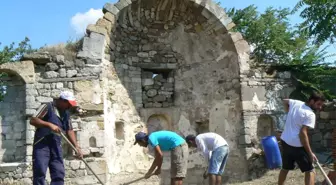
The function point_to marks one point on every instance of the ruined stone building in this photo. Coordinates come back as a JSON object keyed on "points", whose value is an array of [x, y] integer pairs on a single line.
{"points": [[146, 65]]}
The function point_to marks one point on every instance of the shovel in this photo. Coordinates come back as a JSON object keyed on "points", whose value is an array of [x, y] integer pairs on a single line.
{"points": [[74, 148]]}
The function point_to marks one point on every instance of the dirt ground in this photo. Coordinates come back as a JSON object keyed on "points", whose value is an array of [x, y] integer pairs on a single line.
{"points": [[293, 178]]}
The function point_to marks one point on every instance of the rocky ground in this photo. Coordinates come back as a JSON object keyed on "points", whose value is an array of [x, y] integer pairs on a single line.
{"points": [[293, 178]]}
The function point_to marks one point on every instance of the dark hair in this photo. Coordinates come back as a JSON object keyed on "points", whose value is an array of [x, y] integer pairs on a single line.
{"points": [[317, 96], [190, 138]]}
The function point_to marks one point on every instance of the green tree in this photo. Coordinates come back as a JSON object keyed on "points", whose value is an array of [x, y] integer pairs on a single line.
{"points": [[285, 46], [12, 53], [320, 19]]}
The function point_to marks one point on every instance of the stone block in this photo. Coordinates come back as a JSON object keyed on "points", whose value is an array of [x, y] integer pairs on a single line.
{"points": [[143, 54], [99, 167], [19, 127], [51, 67], [74, 164], [8, 144], [317, 137], [122, 4], [108, 7], [96, 29], [110, 17], [59, 59], [59, 85], [146, 82], [244, 139], [159, 98], [51, 74], [71, 73], [93, 47], [31, 92], [88, 179], [324, 115]]}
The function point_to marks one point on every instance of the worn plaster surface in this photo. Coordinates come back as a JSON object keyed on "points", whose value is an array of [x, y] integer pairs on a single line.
{"points": [[147, 66]]}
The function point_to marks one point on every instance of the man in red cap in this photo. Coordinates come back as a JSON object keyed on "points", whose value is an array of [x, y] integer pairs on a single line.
{"points": [[51, 118]]}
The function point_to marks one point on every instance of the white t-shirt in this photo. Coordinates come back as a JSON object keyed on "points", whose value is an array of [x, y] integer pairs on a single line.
{"points": [[208, 142], [299, 114]]}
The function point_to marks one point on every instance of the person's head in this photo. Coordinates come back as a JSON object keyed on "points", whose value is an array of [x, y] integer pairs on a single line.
{"points": [[190, 139], [66, 100], [316, 101], [141, 138]]}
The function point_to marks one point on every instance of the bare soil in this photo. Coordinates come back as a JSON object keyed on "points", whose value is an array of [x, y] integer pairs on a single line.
{"points": [[293, 178]]}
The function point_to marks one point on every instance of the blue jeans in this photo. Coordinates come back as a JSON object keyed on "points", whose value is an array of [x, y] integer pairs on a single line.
{"points": [[218, 160]]}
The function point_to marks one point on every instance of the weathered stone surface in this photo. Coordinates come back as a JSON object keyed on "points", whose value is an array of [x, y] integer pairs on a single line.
{"points": [[51, 74], [38, 57], [108, 7], [25, 69], [51, 67], [93, 47], [71, 73]]}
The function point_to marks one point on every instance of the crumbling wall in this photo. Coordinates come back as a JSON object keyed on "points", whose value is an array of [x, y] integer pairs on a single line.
{"points": [[12, 121], [263, 112], [175, 59], [321, 136]]}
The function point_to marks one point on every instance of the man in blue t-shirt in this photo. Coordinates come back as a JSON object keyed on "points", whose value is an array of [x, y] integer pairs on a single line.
{"points": [[163, 141]]}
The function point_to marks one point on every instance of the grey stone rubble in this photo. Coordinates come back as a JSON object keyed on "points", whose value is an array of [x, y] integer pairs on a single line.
{"points": [[149, 66]]}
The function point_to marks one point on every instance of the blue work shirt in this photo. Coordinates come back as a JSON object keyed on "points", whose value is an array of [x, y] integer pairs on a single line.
{"points": [[167, 140]]}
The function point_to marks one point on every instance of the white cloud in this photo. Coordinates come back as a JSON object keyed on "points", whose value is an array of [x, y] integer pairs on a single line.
{"points": [[80, 21]]}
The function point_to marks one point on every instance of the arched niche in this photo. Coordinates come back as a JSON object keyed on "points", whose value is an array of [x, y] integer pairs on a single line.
{"points": [[12, 117], [265, 126]]}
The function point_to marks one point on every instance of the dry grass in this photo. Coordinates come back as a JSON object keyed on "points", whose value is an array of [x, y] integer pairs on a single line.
{"points": [[293, 178], [69, 49]]}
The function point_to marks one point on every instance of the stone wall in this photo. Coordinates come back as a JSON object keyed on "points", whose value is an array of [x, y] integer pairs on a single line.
{"points": [[263, 112], [321, 136], [12, 121], [197, 85]]}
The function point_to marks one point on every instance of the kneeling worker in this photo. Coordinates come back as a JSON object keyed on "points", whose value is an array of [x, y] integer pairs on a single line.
{"points": [[216, 144], [166, 141], [52, 118]]}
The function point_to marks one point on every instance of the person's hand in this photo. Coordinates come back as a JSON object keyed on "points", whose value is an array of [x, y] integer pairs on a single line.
{"points": [[54, 128], [205, 174], [157, 172], [313, 157], [79, 153], [147, 175]]}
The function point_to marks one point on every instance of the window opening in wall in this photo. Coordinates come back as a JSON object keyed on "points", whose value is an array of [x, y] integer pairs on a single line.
{"points": [[92, 142], [119, 130], [202, 126], [157, 88]]}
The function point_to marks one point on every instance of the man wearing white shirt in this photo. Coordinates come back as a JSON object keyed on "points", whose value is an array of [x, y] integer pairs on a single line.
{"points": [[219, 148], [294, 138]]}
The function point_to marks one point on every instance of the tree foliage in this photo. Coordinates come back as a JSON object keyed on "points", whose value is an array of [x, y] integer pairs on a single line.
{"points": [[286, 47], [320, 19], [12, 53]]}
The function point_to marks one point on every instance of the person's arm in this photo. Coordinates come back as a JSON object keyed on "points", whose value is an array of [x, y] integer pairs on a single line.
{"points": [[72, 137], [304, 138], [201, 147], [157, 161], [308, 123], [37, 121]]}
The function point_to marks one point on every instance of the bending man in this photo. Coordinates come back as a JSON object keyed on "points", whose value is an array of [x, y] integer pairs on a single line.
{"points": [[216, 144], [50, 118], [166, 141], [294, 138]]}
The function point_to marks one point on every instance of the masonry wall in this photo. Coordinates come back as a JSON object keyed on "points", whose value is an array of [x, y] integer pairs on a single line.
{"points": [[263, 112], [179, 72], [12, 121], [321, 136]]}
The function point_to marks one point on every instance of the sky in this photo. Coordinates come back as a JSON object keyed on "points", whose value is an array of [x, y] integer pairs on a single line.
{"points": [[49, 22]]}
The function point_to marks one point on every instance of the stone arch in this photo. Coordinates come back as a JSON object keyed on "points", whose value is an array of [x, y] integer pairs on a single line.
{"points": [[12, 116], [24, 70], [217, 22], [157, 122]]}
